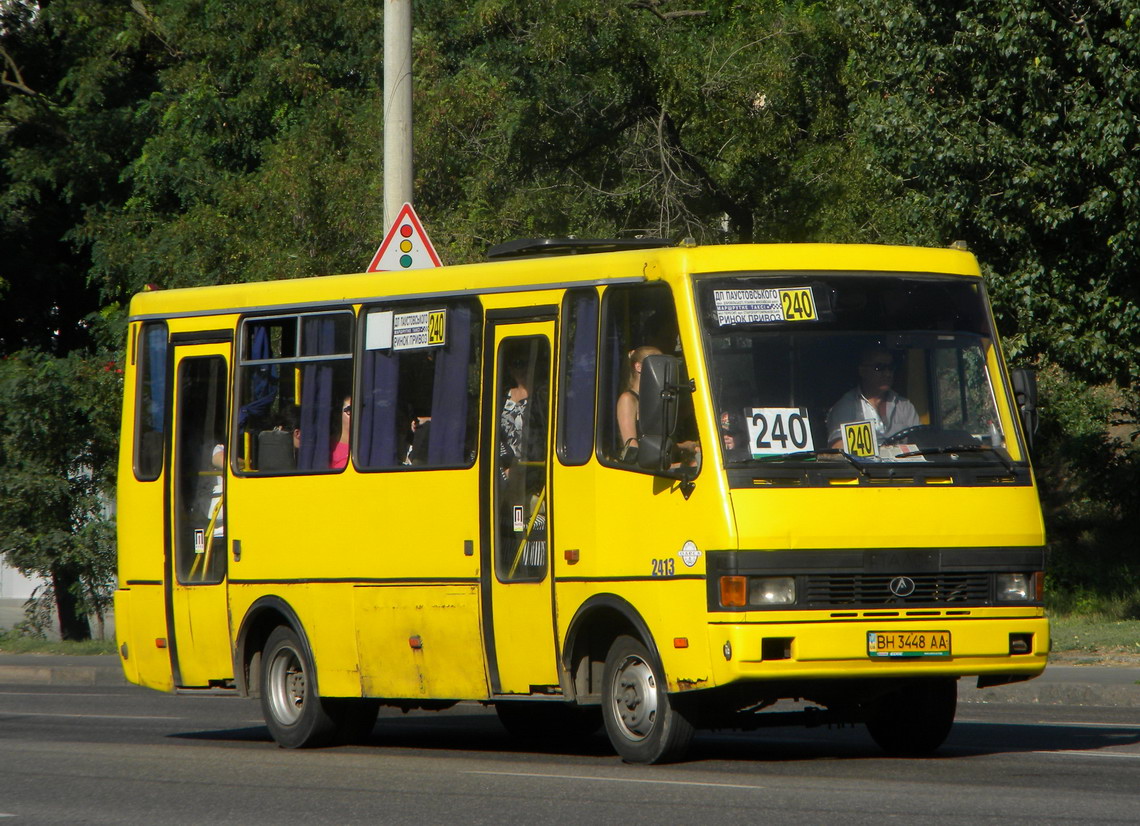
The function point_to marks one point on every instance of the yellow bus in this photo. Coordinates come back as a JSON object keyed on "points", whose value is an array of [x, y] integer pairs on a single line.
{"points": [[636, 485]]}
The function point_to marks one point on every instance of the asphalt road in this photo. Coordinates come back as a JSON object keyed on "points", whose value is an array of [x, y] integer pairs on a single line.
{"points": [[119, 754]]}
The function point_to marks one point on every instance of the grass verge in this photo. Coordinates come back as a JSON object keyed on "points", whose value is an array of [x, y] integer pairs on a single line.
{"points": [[14, 644], [1095, 635]]}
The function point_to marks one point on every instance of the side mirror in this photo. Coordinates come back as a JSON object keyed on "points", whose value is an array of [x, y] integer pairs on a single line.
{"points": [[1025, 392], [657, 411]]}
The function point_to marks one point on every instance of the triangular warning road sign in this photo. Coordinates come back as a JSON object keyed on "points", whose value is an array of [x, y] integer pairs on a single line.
{"points": [[406, 246]]}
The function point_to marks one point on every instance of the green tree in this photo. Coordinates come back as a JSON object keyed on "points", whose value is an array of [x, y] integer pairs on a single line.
{"points": [[1012, 125], [578, 116], [74, 72], [58, 443], [583, 116]]}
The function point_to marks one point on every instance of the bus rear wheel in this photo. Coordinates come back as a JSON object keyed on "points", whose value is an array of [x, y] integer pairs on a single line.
{"points": [[293, 712], [913, 721], [640, 719]]}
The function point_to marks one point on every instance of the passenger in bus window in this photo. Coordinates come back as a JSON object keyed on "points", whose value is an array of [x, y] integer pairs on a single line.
{"points": [[734, 437], [217, 514], [339, 455], [629, 402], [418, 442], [873, 399], [513, 416]]}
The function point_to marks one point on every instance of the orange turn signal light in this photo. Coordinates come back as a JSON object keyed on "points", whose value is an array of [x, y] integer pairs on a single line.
{"points": [[734, 591]]}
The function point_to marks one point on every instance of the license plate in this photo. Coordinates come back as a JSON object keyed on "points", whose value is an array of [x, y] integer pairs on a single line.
{"points": [[908, 643]]}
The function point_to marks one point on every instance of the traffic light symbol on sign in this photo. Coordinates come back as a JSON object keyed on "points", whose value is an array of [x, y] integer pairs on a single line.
{"points": [[406, 245]]}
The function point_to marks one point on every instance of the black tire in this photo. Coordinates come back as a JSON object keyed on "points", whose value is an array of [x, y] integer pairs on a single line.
{"points": [[548, 720], [641, 721], [294, 713], [915, 720]]}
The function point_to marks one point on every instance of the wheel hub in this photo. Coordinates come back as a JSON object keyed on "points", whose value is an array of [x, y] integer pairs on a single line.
{"points": [[635, 701]]}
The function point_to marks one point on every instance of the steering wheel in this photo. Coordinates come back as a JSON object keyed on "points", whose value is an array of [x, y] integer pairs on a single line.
{"points": [[900, 436]]}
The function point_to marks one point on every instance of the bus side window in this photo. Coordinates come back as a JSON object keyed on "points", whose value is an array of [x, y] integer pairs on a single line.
{"points": [[635, 319], [151, 400], [295, 393], [579, 367], [419, 386]]}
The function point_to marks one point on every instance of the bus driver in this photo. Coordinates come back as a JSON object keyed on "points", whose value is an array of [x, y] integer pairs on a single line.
{"points": [[872, 399]]}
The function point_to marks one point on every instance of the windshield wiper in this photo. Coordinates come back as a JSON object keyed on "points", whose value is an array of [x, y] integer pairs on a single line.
{"points": [[941, 451], [815, 454]]}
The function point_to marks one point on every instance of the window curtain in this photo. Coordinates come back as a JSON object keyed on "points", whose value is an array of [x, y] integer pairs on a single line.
{"points": [[318, 338], [449, 392], [263, 381], [581, 366], [379, 425]]}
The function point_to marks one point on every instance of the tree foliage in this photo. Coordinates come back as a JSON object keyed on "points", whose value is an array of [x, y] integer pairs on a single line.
{"points": [[1013, 126], [58, 443]]}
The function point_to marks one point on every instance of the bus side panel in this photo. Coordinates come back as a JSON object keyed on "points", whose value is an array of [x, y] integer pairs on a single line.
{"points": [[639, 539], [420, 641], [326, 620], [314, 540], [140, 623]]}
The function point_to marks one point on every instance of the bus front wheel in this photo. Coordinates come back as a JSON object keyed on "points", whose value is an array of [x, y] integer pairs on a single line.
{"points": [[294, 714], [914, 720], [640, 719]]}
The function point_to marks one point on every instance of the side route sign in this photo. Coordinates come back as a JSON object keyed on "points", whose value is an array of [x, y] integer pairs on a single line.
{"points": [[406, 246]]}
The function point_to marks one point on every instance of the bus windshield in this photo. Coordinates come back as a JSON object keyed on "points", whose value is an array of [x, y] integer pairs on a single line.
{"points": [[858, 368]]}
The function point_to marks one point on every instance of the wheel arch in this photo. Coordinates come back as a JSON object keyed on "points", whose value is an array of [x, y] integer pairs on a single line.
{"points": [[265, 614], [599, 621]]}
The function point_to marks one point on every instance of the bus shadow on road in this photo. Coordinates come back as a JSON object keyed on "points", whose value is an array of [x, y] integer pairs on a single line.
{"points": [[1005, 738], [481, 732]]}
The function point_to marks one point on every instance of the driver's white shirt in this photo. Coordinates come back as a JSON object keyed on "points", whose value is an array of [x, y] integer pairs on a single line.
{"points": [[853, 406]]}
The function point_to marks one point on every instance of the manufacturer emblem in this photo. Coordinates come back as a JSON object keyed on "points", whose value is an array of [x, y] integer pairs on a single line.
{"points": [[689, 554], [902, 586]]}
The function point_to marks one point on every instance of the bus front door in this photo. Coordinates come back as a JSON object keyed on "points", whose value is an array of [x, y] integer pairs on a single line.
{"points": [[518, 595], [197, 612]]}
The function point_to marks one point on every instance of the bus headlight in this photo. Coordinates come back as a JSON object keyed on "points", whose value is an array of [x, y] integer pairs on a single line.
{"points": [[1015, 587], [757, 591], [771, 590]]}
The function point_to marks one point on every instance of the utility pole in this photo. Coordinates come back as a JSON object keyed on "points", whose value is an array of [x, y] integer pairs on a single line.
{"points": [[397, 107]]}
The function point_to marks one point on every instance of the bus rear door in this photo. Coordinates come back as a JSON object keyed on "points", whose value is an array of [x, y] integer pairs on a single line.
{"points": [[518, 597], [197, 543]]}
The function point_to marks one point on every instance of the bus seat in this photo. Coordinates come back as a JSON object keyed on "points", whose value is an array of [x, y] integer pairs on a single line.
{"points": [[275, 450]]}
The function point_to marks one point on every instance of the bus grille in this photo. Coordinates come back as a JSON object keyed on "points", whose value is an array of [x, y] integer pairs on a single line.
{"points": [[874, 589]]}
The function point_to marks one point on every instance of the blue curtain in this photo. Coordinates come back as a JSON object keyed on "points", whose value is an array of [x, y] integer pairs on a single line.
{"points": [[155, 360], [318, 337], [379, 424], [582, 365], [263, 382], [449, 392]]}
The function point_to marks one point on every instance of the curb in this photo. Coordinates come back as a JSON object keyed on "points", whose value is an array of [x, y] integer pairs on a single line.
{"points": [[1050, 694], [61, 670], [55, 675]]}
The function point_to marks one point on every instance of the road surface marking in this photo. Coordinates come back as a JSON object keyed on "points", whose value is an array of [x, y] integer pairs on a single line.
{"points": [[1133, 755], [86, 716], [615, 779]]}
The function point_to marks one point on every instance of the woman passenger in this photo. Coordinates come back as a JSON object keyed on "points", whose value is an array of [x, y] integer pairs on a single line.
{"points": [[628, 402]]}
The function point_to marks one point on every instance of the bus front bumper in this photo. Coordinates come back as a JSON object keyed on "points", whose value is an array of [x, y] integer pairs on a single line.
{"points": [[991, 647]]}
